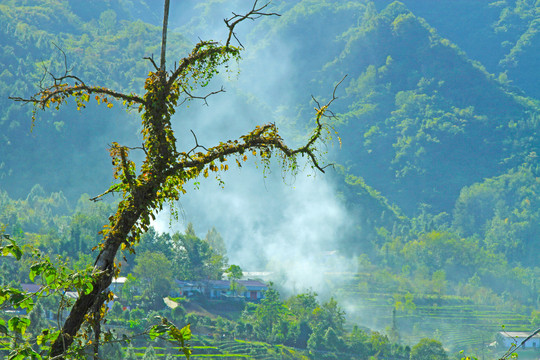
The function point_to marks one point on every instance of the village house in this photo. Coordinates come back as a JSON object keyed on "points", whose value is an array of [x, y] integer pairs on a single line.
{"points": [[188, 288], [507, 338], [117, 283], [253, 289], [31, 288], [249, 290]]}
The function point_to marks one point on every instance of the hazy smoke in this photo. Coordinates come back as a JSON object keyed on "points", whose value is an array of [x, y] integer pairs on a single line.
{"points": [[289, 227], [290, 230]]}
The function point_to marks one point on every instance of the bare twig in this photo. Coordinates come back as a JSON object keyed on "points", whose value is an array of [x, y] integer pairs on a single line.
{"points": [[334, 97], [321, 110], [190, 96], [112, 189], [151, 59], [196, 144], [67, 71], [253, 14]]}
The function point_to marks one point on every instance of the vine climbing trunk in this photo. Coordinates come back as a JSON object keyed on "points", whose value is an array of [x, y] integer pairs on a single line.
{"points": [[142, 195], [104, 270]]}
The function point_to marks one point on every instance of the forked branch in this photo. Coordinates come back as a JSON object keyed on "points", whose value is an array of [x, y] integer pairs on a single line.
{"points": [[67, 85], [57, 93], [253, 14], [203, 98], [263, 137]]}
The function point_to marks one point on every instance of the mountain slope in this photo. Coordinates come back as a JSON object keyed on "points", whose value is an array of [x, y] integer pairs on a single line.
{"points": [[423, 120]]}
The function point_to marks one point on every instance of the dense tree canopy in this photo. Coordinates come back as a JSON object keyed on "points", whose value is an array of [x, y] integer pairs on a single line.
{"points": [[428, 349]]}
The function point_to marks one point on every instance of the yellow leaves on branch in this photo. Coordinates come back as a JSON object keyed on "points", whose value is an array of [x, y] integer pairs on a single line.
{"points": [[321, 111], [104, 100], [214, 168], [56, 98]]}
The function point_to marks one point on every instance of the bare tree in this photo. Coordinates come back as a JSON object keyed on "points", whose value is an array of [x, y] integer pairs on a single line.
{"points": [[165, 170]]}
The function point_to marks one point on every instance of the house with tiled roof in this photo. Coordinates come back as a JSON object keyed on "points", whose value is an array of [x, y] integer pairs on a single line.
{"points": [[249, 290]]}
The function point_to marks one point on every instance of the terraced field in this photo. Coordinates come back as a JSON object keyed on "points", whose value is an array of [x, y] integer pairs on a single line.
{"points": [[227, 349], [457, 321]]}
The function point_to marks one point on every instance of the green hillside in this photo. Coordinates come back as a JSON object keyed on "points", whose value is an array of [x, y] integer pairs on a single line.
{"points": [[436, 119], [97, 40], [437, 172]]}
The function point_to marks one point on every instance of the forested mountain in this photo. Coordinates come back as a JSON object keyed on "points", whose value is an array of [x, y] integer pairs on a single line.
{"points": [[502, 35], [97, 41], [437, 174]]}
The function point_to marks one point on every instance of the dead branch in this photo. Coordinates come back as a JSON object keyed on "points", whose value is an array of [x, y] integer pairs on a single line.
{"points": [[112, 189], [196, 144], [151, 59], [191, 97], [61, 88], [253, 14], [164, 36]]}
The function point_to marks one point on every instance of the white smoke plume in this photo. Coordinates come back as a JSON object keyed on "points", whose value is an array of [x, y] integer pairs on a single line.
{"points": [[290, 226]]}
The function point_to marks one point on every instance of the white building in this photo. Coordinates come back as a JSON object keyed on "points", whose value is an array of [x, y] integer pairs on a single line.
{"points": [[507, 338]]}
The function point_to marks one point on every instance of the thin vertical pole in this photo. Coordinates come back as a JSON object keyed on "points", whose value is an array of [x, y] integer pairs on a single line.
{"points": [[164, 36]]}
